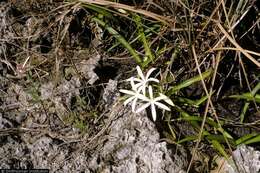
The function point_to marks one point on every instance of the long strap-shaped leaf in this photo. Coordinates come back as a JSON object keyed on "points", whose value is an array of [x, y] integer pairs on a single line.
{"points": [[188, 82], [119, 38]]}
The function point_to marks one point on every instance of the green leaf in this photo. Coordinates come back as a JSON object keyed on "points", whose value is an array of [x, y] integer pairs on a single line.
{"points": [[143, 39], [201, 100], [247, 96], [253, 140], [243, 112], [220, 139], [195, 103], [186, 139], [200, 119], [119, 38], [224, 133], [253, 97], [245, 138], [189, 82], [186, 115], [220, 148]]}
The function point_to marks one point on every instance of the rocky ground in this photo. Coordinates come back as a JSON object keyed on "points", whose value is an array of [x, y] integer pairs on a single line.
{"points": [[74, 123]]}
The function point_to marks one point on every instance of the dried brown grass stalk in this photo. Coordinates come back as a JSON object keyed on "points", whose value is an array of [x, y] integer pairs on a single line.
{"points": [[165, 20], [237, 45]]}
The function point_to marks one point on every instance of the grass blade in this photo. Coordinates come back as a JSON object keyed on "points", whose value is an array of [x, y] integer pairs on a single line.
{"points": [[245, 108], [245, 138], [253, 140], [220, 148], [143, 39], [120, 38], [247, 96], [195, 118], [188, 82], [195, 103], [186, 139], [219, 138]]}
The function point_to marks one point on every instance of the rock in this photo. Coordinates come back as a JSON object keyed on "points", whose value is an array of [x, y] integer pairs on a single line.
{"points": [[133, 145], [130, 144], [246, 160], [110, 92], [88, 64]]}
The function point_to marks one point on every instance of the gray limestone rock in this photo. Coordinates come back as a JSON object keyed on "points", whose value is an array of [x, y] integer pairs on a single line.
{"points": [[133, 146], [246, 160], [130, 144]]}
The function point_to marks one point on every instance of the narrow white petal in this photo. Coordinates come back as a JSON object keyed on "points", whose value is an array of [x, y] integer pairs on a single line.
{"points": [[167, 99], [159, 98], [140, 88], [144, 106], [127, 92], [153, 112], [140, 73], [149, 73], [137, 79], [128, 100], [153, 80], [150, 90], [139, 85], [162, 95], [133, 84], [129, 79], [162, 106], [134, 104], [142, 97], [143, 89]]}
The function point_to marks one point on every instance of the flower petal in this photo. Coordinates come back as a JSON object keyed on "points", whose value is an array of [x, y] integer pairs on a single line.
{"points": [[129, 79], [142, 97], [162, 106], [127, 92], [167, 99], [140, 89], [153, 80], [149, 73], [133, 84], [161, 97], [136, 79], [150, 90], [140, 73], [153, 112], [144, 106], [128, 100], [143, 89], [134, 104], [139, 85]]}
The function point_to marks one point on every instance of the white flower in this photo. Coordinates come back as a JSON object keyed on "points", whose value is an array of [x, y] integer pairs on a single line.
{"points": [[155, 101], [145, 101], [143, 82], [135, 95]]}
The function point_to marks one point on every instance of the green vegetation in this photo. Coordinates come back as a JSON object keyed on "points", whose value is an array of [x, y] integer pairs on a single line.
{"points": [[201, 56], [152, 51]]}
